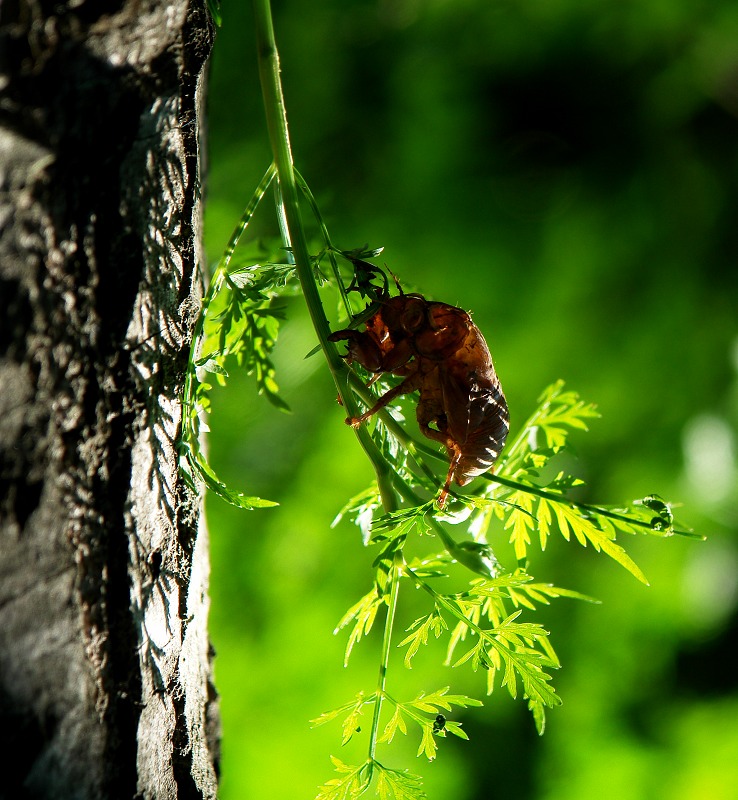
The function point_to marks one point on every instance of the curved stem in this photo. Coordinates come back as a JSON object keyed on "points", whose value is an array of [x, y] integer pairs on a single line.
{"points": [[329, 248], [276, 118]]}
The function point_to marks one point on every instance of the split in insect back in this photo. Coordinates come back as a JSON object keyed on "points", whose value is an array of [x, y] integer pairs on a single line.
{"points": [[440, 352]]}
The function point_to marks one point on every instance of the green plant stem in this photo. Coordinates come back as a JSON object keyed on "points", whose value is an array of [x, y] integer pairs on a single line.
{"points": [[394, 578], [330, 249], [276, 118]]}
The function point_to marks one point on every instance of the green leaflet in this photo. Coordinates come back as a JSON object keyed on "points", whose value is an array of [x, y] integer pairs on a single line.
{"points": [[354, 781], [362, 615], [434, 623]]}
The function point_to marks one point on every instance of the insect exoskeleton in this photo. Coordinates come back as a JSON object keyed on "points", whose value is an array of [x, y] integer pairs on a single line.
{"points": [[440, 352], [439, 723]]}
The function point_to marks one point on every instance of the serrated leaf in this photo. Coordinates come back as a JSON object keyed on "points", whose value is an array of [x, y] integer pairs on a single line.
{"points": [[473, 653], [518, 586], [364, 613], [546, 431], [456, 729], [430, 703], [351, 723], [395, 785], [355, 781], [585, 529], [361, 509], [511, 648], [544, 518], [421, 628], [395, 723], [328, 716], [522, 521], [428, 745], [401, 522], [238, 499], [539, 716]]}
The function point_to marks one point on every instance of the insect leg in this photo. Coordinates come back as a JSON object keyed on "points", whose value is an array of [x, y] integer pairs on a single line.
{"points": [[407, 386], [455, 458], [361, 347]]}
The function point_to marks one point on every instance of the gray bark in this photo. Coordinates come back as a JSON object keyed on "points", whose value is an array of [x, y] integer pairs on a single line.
{"points": [[105, 669]]}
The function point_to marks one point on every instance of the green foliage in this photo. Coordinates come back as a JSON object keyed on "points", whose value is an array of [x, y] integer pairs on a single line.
{"points": [[485, 621], [525, 500], [540, 504], [236, 320], [391, 784]]}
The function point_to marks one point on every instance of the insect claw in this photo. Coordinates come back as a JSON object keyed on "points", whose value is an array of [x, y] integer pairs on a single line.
{"points": [[354, 422], [454, 462]]}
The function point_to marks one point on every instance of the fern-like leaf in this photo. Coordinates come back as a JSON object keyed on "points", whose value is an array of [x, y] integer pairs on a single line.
{"points": [[363, 615], [585, 529], [421, 628], [394, 784], [351, 720], [354, 781]]}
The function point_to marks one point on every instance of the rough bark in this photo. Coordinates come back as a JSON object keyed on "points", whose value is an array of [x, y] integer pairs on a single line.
{"points": [[105, 675]]}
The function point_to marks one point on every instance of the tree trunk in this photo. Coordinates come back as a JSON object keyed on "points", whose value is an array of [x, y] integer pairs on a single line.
{"points": [[105, 673]]}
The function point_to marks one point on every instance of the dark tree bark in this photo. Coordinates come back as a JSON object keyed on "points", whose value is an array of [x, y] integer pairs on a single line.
{"points": [[105, 673]]}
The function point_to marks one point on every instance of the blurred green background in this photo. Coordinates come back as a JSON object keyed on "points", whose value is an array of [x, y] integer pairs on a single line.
{"points": [[569, 172]]}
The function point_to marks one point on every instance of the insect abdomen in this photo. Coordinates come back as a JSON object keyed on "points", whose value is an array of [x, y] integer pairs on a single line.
{"points": [[487, 436]]}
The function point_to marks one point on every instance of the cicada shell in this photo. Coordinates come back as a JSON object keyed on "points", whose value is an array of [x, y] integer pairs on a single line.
{"points": [[440, 352]]}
